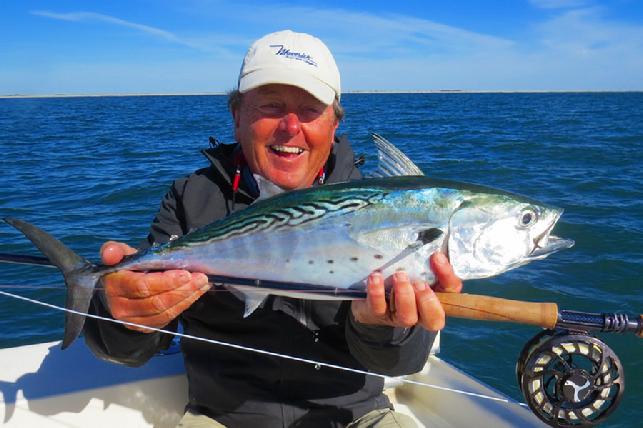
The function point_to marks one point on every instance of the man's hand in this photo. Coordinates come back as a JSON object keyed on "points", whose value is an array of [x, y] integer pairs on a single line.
{"points": [[152, 299], [410, 304]]}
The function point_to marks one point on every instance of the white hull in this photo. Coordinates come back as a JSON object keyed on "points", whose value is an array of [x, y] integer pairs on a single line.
{"points": [[43, 387]]}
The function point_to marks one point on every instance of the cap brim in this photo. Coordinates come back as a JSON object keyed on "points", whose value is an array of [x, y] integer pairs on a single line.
{"points": [[284, 76]]}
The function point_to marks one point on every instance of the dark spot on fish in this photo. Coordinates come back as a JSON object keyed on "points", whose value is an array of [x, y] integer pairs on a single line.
{"points": [[330, 262], [354, 259], [287, 260], [331, 271], [378, 256], [311, 262]]}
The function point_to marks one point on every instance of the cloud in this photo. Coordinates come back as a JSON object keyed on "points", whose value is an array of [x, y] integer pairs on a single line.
{"points": [[584, 33], [570, 47], [558, 4], [355, 32], [573, 49], [146, 29]]}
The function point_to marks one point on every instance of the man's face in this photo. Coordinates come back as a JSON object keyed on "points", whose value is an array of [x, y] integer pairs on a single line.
{"points": [[286, 134]]}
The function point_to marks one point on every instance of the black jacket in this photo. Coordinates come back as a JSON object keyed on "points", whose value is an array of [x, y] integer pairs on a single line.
{"points": [[245, 389]]}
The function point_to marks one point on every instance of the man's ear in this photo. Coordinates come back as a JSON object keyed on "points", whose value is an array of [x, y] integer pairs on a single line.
{"points": [[334, 132], [236, 120], [235, 117]]}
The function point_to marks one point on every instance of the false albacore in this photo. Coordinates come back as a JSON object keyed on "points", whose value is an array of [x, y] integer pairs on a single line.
{"points": [[332, 237]]}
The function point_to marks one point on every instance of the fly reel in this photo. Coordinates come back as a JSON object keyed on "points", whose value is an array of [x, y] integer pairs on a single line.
{"points": [[570, 379]]}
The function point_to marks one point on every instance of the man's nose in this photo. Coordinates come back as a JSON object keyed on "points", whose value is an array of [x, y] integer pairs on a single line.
{"points": [[290, 123]]}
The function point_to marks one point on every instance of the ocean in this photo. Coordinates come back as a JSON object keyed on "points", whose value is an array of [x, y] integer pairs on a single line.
{"points": [[89, 169]]}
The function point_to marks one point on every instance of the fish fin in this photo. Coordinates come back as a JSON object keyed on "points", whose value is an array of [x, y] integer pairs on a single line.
{"points": [[391, 161], [400, 238], [253, 301], [425, 237], [80, 276], [251, 297]]}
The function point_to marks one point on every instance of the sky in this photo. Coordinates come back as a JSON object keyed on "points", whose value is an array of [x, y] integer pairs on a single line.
{"points": [[196, 46]]}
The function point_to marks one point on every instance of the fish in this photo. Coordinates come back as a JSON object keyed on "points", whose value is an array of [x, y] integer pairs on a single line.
{"points": [[328, 239]]}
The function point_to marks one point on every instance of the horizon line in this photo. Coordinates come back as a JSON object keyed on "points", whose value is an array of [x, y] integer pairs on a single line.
{"points": [[366, 91]]}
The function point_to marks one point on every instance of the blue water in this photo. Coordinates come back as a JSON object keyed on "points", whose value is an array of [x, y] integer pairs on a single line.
{"points": [[92, 169]]}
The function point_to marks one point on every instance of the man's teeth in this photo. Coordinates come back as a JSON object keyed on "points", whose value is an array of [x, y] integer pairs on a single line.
{"points": [[286, 149]]}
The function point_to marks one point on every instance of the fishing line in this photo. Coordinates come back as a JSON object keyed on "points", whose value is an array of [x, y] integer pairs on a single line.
{"points": [[259, 351]]}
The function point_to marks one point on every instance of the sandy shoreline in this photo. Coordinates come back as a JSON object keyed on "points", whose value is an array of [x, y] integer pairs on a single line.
{"points": [[105, 95], [435, 91]]}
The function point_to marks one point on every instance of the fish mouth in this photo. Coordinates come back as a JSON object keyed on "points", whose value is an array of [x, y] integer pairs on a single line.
{"points": [[553, 244], [545, 243]]}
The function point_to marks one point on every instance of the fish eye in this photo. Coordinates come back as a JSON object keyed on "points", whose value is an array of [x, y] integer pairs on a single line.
{"points": [[528, 217]]}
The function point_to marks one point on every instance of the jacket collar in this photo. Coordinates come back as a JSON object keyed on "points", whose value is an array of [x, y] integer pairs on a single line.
{"points": [[338, 167]]}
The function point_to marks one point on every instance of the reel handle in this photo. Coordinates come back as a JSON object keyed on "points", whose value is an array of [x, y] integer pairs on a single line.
{"points": [[472, 306]]}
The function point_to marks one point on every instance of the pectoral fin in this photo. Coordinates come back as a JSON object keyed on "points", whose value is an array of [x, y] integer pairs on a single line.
{"points": [[425, 237]]}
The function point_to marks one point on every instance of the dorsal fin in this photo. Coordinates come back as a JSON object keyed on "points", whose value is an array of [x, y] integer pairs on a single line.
{"points": [[391, 161]]}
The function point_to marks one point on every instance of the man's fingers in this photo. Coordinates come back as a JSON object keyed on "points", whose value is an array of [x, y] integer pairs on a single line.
{"points": [[446, 279], [162, 318], [430, 311], [113, 252], [406, 314], [156, 306], [139, 285], [376, 295], [152, 299]]}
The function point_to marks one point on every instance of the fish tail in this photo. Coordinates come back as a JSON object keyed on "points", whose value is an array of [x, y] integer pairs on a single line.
{"points": [[80, 276]]}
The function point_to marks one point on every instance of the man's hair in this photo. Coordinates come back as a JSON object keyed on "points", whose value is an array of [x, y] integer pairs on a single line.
{"points": [[235, 97]]}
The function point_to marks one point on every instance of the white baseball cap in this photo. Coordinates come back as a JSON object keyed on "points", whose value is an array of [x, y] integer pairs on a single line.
{"points": [[291, 58]]}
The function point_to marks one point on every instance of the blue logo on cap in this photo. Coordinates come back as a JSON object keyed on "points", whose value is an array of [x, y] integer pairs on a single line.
{"points": [[299, 56]]}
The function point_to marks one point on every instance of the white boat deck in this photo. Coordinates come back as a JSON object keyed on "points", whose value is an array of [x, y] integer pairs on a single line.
{"points": [[42, 386]]}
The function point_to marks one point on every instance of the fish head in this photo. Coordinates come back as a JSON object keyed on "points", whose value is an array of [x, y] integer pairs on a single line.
{"points": [[490, 234]]}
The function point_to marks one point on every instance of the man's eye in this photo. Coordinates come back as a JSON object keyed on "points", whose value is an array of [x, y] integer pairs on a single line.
{"points": [[310, 112]]}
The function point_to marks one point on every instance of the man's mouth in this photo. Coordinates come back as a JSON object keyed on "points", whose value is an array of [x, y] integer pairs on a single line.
{"points": [[286, 150]]}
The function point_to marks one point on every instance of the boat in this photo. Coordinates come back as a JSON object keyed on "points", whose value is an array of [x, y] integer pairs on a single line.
{"points": [[43, 386]]}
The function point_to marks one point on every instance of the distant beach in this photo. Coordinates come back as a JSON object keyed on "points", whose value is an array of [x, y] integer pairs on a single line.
{"points": [[370, 91], [106, 95]]}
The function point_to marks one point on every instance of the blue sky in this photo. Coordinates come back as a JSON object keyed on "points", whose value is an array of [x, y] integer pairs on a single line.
{"points": [[196, 46]]}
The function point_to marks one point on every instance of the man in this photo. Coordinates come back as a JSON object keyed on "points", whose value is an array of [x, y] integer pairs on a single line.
{"points": [[286, 111]]}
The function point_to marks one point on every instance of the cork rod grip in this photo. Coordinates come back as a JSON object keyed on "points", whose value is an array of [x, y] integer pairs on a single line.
{"points": [[640, 332], [478, 307]]}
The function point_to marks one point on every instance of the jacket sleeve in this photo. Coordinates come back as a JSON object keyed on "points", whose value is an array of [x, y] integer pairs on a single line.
{"points": [[387, 350], [113, 342]]}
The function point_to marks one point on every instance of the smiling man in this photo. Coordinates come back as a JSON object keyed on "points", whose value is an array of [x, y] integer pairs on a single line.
{"points": [[285, 134], [286, 111]]}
